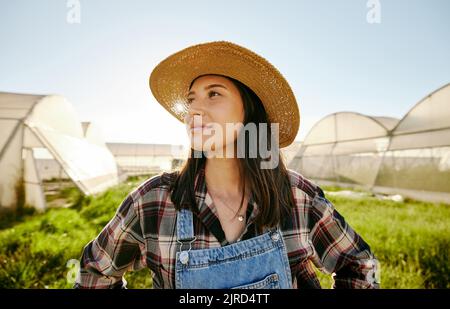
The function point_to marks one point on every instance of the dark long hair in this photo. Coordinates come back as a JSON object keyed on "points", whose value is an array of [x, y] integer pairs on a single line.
{"points": [[270, 188]]}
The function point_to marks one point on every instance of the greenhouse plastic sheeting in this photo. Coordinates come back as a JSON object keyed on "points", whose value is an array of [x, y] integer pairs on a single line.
{"points": [[410, 156]]}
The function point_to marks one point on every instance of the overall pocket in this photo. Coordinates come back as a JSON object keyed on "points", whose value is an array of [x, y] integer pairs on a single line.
{"points": [[269, 282]]}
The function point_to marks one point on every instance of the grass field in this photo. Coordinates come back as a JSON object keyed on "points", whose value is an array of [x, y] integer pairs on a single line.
{"points": [[411, 239]]}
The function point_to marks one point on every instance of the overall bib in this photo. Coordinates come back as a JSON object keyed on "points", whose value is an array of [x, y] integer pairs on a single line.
{"points": [[257, 263]]}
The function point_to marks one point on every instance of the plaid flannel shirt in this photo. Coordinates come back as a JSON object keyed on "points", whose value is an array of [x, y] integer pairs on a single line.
{"points": [[143, 234]]}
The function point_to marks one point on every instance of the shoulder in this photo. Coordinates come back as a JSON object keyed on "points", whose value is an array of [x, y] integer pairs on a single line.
{"points": [[310, 195], [310, 200], [304, 186], [160, 182]]}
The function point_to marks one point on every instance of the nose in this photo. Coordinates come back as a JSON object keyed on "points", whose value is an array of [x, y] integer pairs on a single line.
{"points": [[193, 112], [196, 109]]}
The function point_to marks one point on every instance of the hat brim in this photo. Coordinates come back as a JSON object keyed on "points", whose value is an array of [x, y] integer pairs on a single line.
{"points": [[170, 81]]}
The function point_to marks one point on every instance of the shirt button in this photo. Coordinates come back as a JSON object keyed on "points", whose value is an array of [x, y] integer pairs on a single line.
{"points": [[275, 237], [184, 257]]}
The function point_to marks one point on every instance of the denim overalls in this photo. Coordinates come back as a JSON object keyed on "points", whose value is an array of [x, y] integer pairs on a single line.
{"points": [[257, 263]]}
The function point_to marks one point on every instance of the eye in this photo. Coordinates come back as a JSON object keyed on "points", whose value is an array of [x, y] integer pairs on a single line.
{"points": [[212, 94], [189, 100]]}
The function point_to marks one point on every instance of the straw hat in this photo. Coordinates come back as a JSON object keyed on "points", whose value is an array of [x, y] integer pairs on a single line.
{"points": [[170, 81]]}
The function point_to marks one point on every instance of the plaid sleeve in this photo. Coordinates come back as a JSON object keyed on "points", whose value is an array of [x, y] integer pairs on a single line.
{"points": [[339, 250], [118, 248]]}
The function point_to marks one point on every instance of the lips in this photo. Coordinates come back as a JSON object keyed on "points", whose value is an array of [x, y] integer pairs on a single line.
{"points": [[199, 128]]}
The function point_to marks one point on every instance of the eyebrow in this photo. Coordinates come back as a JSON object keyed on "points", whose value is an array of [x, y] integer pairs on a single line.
{"points": [[208, 87]]}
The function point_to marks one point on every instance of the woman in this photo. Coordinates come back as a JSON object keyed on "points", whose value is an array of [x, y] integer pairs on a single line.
{"points": [[234, 216]]}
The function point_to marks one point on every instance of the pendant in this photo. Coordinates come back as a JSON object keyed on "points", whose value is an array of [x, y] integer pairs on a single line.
{"points": [[241, 218]]}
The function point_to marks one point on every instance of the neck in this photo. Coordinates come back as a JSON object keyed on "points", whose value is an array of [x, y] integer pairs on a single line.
{"points": [[222, 176]]}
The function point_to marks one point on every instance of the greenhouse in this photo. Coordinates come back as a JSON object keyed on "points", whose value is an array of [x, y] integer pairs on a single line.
{"points": [[410, 156], [36, 126], [145, 159]]}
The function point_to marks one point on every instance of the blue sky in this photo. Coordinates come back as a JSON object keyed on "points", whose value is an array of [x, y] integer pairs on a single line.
{"points": [[332, 57]]}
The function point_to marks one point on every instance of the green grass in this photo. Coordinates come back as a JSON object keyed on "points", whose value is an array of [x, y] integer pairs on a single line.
{"points": [[411, 240], [35, 250]]}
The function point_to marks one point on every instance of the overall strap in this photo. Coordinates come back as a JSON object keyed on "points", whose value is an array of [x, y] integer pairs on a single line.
{"points": [[185, 225]]}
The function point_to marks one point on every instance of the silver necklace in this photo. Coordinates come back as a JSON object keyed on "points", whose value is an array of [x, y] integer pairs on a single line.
{"points": [[240, 217]]}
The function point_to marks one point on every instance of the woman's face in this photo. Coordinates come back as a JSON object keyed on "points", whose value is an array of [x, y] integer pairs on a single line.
{"points": [[213, 101]]}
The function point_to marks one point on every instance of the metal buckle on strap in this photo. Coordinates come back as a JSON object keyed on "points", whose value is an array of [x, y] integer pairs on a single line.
{"points": [[275, 233], [184, 255], [190, 243]]}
